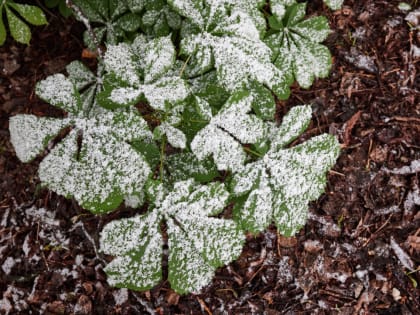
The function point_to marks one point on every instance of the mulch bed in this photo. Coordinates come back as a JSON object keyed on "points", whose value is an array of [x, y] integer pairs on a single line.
{"points": [[353, 256]]}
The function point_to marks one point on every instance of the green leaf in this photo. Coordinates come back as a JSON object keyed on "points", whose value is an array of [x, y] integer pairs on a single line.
{"points": [[293, 125], [334, 4], [280, 185], [129, 22], [158, 86], [2, 31], [140, 241], [30, 135], [18, 29], [229, 40], [136, 6], [263, 103], [60, 91], [223, 137], [51, 3], [149, 150], [80, 75], [183, 166], [297, 49], [197, 244], [31, 13]]}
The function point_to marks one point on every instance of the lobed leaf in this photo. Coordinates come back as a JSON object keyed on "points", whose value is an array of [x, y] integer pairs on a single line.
{"points": [[18, 29], [197, 244], [279, 187], [227, 131], [296, 48]]}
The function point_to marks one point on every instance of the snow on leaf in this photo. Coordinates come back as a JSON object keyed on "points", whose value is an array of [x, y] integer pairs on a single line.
{"points": [[296, 46], [138, 243], [155, 59], [226, 37], [59, 91], [175, 137], [227, 131], [159, 19], [279, 187], [94, 163], [334, 4], [30, 134], [197, 243], [112, 19], [106, 168]]}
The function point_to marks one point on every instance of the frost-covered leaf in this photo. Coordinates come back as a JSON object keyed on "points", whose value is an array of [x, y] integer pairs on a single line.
{"points": [[59, 91], [31, 13], [183, 166], [94, 163], [334, 4], [159, 19], [112, 19], [197, 243], [126, 65], [279, 186], [175, 137], [18, 29], [296, 46], [30, 134], [227, 131], [138, 242], [222, 35]]}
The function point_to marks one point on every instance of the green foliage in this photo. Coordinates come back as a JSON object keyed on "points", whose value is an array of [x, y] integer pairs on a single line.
{"points": [[94, 163], [184, 101], [61, 5], [295, 44], [198, 242], [279, 186], [15, 12]]}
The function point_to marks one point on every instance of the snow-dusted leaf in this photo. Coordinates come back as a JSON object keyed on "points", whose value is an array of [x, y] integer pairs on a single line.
{"points": [[94, 163], [224, 36], [18, 29], [159, 19], [227, 131], [296, 46], [31, 13], [334, 4], [175, 137], [138, 242], [183, 166], [30, 134], [279, 186], [59, 91], [112, 18], [121, 61], [197, 243], [105, 168]]}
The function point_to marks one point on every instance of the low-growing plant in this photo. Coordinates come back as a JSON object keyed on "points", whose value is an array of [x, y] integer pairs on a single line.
{"points": [[180, 118], [19, 30]]}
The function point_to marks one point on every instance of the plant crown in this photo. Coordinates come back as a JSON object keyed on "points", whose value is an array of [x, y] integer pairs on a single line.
{"points": [[180, 117]]}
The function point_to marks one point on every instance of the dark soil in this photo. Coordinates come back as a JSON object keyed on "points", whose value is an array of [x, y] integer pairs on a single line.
{"points": [[355, 253]]}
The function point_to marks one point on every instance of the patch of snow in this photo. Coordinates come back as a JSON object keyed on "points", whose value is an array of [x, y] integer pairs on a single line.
{"points": [[8, 265], [120, 296], [361, 61], [402, 255]]}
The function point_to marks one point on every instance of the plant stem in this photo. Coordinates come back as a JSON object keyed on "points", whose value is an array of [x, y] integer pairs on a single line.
{"points": [[79, 13], [162, 157], [252, 152]]}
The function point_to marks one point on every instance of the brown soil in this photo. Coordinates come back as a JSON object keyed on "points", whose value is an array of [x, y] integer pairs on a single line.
{"points": [[355, 253]]}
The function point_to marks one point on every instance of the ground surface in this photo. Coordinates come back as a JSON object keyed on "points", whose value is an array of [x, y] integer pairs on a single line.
{"points": [[352, 257]]}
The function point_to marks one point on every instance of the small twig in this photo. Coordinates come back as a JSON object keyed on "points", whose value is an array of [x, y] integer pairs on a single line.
{"points": [[144, 303], [79, 13], [204, 306]]}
